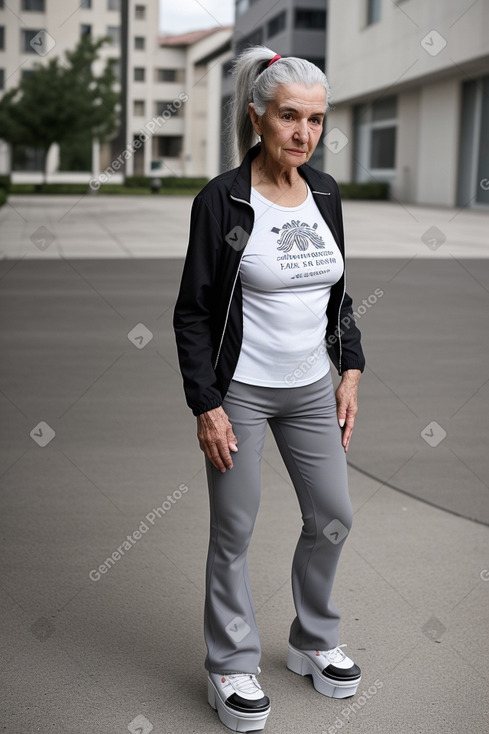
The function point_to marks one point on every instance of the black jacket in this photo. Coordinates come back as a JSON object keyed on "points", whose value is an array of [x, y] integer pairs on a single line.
{"points": [[208, 319]]}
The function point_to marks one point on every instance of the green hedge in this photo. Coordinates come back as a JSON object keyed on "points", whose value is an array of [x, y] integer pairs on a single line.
{"points": [[167, 182], [80, 189], [3, 196], [372, 190], [140, 186]]}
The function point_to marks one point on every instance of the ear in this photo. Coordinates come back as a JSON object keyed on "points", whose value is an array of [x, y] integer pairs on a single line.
{"points": [[255, 119]]}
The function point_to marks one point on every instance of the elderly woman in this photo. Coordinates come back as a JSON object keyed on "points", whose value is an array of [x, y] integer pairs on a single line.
{"points": [[262, 303]]}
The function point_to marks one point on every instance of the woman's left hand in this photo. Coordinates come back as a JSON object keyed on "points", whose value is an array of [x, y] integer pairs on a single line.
{"points": [[346, 404]]}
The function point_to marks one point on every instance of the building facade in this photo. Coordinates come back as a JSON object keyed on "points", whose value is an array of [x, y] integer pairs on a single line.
{"points": [[410, 90], [168, 125]]}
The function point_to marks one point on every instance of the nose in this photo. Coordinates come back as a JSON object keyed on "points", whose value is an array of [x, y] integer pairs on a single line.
{"points": [[301, 132]]}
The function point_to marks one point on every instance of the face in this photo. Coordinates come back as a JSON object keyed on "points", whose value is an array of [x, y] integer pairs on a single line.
{"points": [[292, 124]]}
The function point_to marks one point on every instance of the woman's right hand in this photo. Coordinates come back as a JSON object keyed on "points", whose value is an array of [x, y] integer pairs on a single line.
{"points": [[216, 438]]}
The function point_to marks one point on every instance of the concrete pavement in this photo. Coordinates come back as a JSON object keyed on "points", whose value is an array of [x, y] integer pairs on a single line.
{"points": [[157, 226], [99, 454]]}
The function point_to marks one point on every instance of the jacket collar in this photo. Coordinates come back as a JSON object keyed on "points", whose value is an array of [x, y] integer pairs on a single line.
{"points": [[241, 186]]}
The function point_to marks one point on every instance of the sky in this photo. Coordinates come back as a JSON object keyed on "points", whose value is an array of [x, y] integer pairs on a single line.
{"points": [[178, 16]]}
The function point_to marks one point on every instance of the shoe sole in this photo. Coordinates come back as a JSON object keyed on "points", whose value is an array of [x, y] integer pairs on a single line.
{"points": [[231, 719], [299, 663]]}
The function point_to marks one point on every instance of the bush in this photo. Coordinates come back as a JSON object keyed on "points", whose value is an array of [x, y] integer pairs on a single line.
{"points": [[167, 182], [3, 196], [371, 190], [5, 183]]}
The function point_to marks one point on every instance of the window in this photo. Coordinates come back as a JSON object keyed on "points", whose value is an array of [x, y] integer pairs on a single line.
{"points": [[33, 5], [242, 6], [114, 33], [170, 107], [375, 139], [139, 43], [113, 4], [2, 78], [226, 67], [140, 12], [373, 11], [277, 24], [167, 75], [310, 19], [139, 108], [169, 146], [139, 74], [383, 148], [115, 65], [86, 4], [253, 39], [2, 37], [85, 30], [473, 163], [26, 38]]}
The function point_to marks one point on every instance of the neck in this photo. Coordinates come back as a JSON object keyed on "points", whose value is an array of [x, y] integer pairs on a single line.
{"points": [[267, 171]]}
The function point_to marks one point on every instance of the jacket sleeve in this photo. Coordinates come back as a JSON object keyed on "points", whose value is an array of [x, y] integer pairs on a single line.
{"points": [[350, 354], [193, 310]]}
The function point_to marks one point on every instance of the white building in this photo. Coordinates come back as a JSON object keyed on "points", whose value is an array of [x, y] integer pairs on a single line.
{"points": [[410, 88], [172, 126]]}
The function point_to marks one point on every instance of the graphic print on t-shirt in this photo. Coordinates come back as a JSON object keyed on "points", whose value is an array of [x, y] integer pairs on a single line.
{"points": [[299, 234]]}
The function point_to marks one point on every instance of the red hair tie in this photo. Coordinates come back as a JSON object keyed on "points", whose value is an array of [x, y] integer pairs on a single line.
{"points": [[275, 58]]}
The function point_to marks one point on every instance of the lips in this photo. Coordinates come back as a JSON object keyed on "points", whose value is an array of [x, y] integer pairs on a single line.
{"points": [[296, 152]]}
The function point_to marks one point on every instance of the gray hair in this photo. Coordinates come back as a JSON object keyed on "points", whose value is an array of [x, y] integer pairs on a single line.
{"points": [[257, 83]]}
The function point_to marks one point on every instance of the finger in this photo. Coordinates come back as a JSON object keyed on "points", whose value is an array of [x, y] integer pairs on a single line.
{"points": [[222, 455], [232, 440]]}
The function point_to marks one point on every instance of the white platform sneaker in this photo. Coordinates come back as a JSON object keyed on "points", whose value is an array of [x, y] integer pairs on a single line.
{"points": [[333, 673], [239, 700]]}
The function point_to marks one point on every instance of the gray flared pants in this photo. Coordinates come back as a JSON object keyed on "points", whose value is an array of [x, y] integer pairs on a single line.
{"points": [[304, 424]]}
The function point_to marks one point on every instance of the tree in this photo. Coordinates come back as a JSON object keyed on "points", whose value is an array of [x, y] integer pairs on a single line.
{"points": [[61, 100]]}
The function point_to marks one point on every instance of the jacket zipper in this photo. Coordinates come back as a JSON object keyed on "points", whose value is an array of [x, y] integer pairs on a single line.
{"points": [[234, 286]]}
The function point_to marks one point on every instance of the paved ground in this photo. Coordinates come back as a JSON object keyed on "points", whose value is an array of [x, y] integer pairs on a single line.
{"points": [[96, 438], [157, 226]]}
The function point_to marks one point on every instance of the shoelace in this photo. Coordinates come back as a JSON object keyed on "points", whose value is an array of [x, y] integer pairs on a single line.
{"points": [[334, 656], [243, 682]]}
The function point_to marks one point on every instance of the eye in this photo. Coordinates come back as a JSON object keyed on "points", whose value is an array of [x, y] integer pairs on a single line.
{"points": [[287, 116], [316, 120]]}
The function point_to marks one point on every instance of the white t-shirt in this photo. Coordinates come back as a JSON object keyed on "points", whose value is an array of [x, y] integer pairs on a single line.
{"points": [[287, 270]]}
